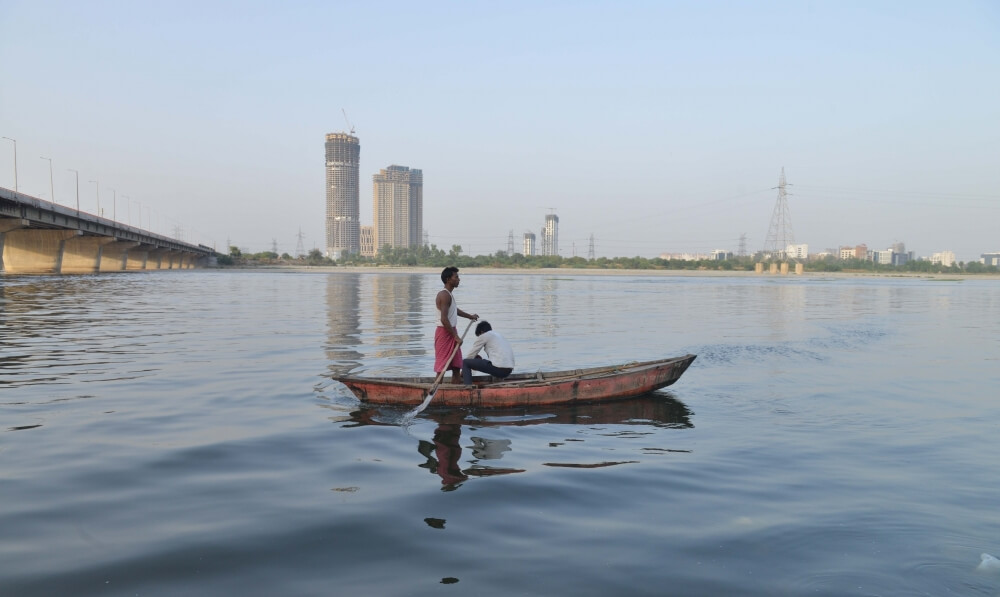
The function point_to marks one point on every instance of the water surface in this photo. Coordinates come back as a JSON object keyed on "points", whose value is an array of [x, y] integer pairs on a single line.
{"points": [[178, 433]]}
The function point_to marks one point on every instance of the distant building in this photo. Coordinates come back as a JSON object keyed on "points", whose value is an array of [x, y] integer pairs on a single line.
{"points": [[367, 241], [550, 235], [858, 252], [990, 259], [343, 155], [881, 257], [686, 256], [721, 255], [529, 243], [398, 207], [901, 258], [945, 258], [797, 251]]}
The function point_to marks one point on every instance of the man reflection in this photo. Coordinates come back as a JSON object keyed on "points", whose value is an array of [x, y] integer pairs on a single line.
{"points": [[447, 453], [444, 454]]}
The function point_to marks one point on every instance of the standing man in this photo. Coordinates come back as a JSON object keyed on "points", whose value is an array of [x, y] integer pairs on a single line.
{"points": [[446, 337]]}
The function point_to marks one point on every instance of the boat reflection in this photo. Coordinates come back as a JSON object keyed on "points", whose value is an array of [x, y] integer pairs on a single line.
{"points": [[443, 453]]}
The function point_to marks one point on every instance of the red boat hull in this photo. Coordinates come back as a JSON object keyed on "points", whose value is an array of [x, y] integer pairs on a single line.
{"points": [[598, 384]]}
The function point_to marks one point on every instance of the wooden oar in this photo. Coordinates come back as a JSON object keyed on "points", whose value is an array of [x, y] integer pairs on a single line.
{"points": [[437, 382]]}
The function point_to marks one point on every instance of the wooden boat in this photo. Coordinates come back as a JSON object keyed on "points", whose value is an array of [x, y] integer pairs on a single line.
{"points": [[576, 386]]}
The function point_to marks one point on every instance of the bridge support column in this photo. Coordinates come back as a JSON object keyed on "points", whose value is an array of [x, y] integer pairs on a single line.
{"points": [[82, 255], [187, 260], [171, 260], [135, 258], [155, 259], [33, 251], [113, 255], [6, 225]]}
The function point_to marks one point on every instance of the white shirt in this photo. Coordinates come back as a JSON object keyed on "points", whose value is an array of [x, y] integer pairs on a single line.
{"points": [[497, 349]]}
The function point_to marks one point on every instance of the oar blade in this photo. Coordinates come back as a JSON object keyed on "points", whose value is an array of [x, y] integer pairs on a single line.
{"points": [[420, 409]]}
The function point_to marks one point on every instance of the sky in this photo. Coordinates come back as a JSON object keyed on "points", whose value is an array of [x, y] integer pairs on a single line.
{"points": [[653, 127]]}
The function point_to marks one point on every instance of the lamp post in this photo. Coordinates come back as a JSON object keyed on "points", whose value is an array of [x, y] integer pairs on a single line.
{"points": [[98, 197], [140, 213], [14, 141], [114, 205], [128, 208], [77, 190], [52, 186]]}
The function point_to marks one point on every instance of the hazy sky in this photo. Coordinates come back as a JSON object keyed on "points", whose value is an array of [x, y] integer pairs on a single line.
{"points": [[655, 126]]}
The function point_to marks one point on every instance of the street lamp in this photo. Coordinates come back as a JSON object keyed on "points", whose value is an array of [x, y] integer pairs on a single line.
{"points": [[14, 141], [114, 205], [128, 208], [98, 197], [77, 190], [52, 186]]}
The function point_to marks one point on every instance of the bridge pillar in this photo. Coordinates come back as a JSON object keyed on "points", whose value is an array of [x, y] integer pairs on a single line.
{"points": [[33, 251], [154, 259], [171, 260], [114, 255], [82, 254], [135, 258]]}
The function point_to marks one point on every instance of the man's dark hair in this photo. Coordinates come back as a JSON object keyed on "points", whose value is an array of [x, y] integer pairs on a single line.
{"points": [[447, 273], [483, 327]]}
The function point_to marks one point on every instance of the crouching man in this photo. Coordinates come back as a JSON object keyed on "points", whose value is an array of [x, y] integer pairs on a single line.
{"points": [[500, 361]]}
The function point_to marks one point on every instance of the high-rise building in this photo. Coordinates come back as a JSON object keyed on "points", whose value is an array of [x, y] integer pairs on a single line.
{"points": [[529, 243], [398, 207], [343, 154], [550, 235]]}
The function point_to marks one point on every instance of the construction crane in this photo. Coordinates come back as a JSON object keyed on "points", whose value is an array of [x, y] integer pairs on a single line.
{"points": [[349, 125]]}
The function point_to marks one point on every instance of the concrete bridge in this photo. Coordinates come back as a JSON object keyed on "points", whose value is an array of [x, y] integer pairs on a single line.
{"points": [[40, 237]]}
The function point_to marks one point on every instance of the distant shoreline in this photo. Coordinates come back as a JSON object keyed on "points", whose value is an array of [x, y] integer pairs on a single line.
{"points": [[555, 271]]}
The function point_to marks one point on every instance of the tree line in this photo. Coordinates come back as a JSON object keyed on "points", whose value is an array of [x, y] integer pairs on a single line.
{"points": [[432, 256]]}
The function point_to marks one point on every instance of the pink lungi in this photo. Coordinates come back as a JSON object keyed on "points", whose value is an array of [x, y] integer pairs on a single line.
{"points": [[444, 343]]}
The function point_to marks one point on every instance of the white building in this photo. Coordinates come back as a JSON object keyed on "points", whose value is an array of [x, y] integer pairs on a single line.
{"points": [[529, 244], [797, 251], [945, 258], [550, 235]]}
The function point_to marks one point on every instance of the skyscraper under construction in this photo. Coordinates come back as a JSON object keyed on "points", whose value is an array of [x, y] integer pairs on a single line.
{"points": [[343, 154]]}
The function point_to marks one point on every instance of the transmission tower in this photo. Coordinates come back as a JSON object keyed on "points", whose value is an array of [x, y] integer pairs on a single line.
{"points": [[510, 244], [743, 245], [299, 248], [590, 250], [779, 234], [274, 246]]}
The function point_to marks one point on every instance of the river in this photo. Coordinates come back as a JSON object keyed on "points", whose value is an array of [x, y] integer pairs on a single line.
{"points": [[178, 433]]}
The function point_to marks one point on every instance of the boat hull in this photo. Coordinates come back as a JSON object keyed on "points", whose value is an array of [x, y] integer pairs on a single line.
{"points": [[598, 384]]}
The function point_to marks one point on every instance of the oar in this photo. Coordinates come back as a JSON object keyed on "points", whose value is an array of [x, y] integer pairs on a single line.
{"points": [[437, 382]]}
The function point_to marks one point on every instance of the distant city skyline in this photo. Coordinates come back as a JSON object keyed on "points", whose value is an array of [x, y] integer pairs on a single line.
{"points": [[654, 127]]}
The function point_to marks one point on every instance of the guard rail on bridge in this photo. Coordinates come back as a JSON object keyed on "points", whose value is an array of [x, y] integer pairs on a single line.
{"points": [[40, 237]]}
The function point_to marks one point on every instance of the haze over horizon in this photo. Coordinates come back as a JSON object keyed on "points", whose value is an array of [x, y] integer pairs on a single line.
{"points": [[655, 126]]}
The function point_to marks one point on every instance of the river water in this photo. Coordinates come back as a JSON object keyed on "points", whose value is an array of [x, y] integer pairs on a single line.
{"points": [[178, 433]]}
